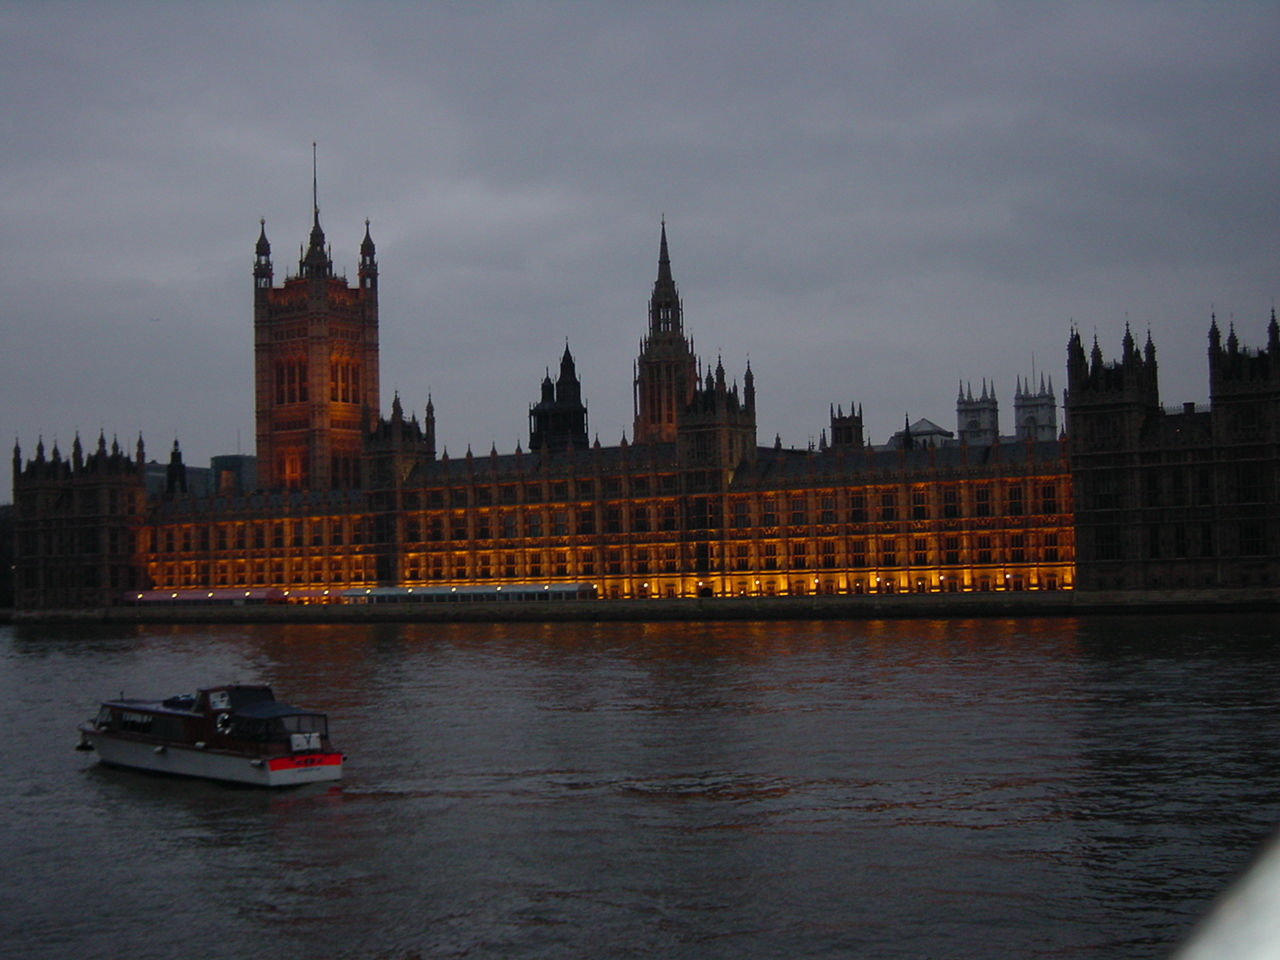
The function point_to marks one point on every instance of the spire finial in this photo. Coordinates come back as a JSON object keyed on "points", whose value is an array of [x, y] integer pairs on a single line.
{"points": [[315, 185], [664, 259]]}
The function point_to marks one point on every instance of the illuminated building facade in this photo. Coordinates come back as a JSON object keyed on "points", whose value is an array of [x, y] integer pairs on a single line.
{"points": [[1129, 497], [315, 354], [692, 507]]}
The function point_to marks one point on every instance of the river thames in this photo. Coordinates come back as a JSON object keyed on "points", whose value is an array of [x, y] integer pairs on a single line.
{"points": [[1065, 788]]}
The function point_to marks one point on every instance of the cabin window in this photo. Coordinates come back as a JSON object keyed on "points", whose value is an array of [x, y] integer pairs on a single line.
{"points": [[278, 729]]}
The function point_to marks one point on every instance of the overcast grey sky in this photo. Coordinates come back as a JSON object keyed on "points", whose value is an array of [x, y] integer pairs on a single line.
{"points": [[870, 202]]}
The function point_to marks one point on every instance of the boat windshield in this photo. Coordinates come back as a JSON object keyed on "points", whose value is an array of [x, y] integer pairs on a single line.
{"points": [[277, 729]]}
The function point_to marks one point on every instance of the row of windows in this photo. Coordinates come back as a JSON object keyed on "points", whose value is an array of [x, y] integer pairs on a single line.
{"points": [[1183, 541], [93, 502], [261, 573], [75, 541], [559, 564], [459, 528], [344, 381], [919, 501], [291, 381], [259, 535], [1179, 486], [889, 552], [556, 491]]}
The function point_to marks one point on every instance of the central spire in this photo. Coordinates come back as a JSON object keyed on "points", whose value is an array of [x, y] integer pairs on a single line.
{"points": [[664, 306], [316, 262], [666, 373], [315, 184], [664, 260]]}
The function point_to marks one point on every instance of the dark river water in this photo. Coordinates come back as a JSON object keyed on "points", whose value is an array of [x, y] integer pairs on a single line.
{"points": [[902, 789]]}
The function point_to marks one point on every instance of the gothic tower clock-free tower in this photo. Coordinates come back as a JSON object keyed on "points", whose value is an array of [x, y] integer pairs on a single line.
{"points": [[315, 367]]}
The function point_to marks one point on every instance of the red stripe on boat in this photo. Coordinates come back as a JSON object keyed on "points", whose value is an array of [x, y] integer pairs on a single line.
{"points": [[306, 760]]}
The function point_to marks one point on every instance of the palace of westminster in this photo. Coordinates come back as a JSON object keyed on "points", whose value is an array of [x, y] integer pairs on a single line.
{"points": [[1126, 495]]}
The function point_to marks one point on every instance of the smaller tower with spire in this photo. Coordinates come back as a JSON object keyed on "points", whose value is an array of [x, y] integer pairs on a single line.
{"points": [[666, 372], [846, 429], [1035, 411], [315, 364], [558, 421], [978, 419], [717, 429]]}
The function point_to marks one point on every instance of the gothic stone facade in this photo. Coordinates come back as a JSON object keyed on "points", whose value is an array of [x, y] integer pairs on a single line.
{"points": [[1133, 497], [1176, 499]]}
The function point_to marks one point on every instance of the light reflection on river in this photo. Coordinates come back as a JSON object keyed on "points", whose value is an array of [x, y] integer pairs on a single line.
{"points": [[1018, 788]]}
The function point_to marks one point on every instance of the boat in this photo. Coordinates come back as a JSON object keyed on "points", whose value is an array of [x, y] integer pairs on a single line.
{"points": [[235, 733]]}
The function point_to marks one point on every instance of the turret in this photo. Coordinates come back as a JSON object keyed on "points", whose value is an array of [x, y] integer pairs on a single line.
{"points": [[846, 431], [978, 421], [568, 387], [175, 477], [559, 419], [1035, 411], [717, 428], [315, 353], [315, 264], [368, 262], [1109, 405], [666, 371], [262, 270], [429, 429], [1244, 375]]}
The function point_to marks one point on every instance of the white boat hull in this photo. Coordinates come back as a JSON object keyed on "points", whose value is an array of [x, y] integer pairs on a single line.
{"points": [[191, 761]]}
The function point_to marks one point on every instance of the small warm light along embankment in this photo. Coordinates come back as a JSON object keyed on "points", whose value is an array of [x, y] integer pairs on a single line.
{"points": [[815, 607]]}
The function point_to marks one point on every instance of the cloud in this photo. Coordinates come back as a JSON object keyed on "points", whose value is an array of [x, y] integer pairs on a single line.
{"points": [[871, 202]]}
